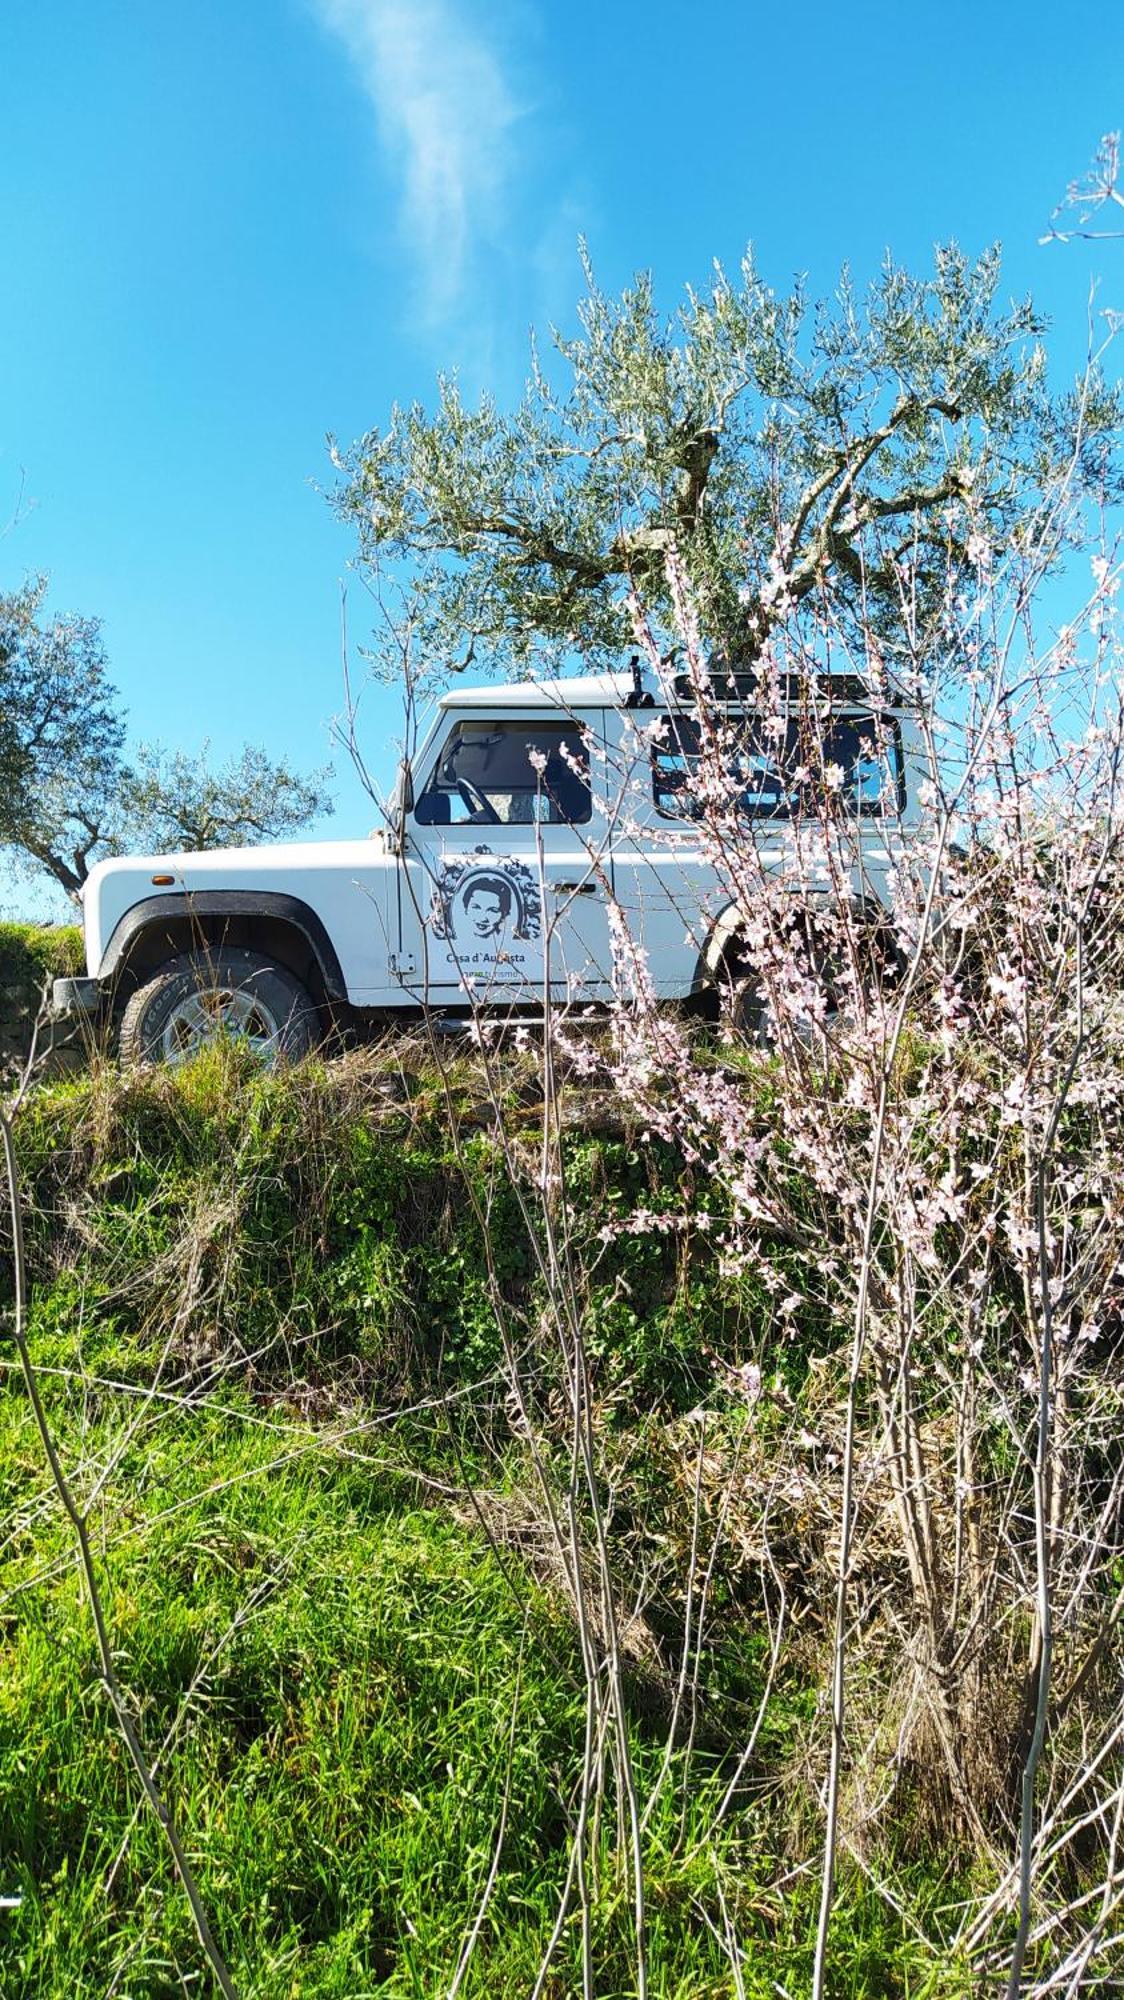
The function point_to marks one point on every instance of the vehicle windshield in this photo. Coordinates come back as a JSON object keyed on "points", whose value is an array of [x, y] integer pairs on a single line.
{"points": [[507, 773]]}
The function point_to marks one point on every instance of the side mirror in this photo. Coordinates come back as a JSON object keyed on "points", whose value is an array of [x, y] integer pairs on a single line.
{"points": [[433, 809]]}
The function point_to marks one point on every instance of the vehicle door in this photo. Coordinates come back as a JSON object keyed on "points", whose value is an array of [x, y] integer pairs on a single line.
{"points": [[663, 881], [673, 883], [505, 885]]}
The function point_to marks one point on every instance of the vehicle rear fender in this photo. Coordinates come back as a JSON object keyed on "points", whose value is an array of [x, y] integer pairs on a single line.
{"points": [[722, 950]]}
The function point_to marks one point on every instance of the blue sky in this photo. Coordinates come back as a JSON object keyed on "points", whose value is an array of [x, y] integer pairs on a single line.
{"points": [[230, 229]]}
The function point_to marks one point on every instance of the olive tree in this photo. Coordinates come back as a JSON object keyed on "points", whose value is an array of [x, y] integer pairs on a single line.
{"points": [[61, 738], [795, 458], [178, 801], [68, 791]]}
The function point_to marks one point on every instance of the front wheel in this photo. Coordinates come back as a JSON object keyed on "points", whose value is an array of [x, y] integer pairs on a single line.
{"points": [[223, 994]]}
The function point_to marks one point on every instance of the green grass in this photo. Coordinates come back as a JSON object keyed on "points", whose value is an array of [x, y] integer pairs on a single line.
{"points": [[299, 1595], [339, 1767], [35, 952], [31, 956]]}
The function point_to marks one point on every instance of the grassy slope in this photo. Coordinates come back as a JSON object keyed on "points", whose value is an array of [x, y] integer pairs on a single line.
{"points": [[303, 1607], [31, 955]]}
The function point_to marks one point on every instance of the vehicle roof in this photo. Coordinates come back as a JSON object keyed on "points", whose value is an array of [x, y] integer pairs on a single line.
{"points": [[581, 691], [612, 690]]}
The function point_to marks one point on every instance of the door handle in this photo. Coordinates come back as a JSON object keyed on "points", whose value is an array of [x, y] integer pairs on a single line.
{"points": [[575, 888]]}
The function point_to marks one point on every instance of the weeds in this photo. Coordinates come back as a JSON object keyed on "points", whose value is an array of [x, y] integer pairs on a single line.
{"points": [[271, 1354]]}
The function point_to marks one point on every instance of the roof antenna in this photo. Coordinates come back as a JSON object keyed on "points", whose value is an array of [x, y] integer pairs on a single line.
{"points": [[639, 697]]}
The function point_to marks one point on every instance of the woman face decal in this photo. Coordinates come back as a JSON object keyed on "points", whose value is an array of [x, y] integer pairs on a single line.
{"points": [[487, 906]]}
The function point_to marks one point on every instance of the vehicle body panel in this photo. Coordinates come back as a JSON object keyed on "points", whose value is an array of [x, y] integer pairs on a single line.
{"points": [[477, 893]]}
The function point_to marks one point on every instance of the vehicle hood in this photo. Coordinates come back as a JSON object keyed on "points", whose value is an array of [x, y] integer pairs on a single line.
{"points": [[298, 868]]}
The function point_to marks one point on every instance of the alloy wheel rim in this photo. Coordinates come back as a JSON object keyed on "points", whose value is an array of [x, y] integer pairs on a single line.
{"points": [[214, 1013]]}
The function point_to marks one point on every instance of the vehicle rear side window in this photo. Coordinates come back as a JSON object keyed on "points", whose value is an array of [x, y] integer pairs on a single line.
{"points": [[781, 772], [510, 774]]}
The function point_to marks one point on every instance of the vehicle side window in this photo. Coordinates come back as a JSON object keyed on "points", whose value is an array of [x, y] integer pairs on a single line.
{"points": [[491, 773], [858, 758]]}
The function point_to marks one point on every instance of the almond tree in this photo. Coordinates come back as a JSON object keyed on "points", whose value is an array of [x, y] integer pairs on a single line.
{"points": [[949, 1087], [917, 1131]]}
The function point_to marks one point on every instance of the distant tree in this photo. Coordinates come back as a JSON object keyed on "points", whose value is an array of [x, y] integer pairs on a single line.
{"points": [[61, 738], [779, 457], [68, 793], [176, 801]]}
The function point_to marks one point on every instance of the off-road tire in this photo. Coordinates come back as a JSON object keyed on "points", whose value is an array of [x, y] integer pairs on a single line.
{"points": [[743, 1001], [743, 1008], [246, 995]]}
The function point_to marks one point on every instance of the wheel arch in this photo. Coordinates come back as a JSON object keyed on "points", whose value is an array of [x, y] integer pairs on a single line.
{"points": [[280, 926], [719, 954]]}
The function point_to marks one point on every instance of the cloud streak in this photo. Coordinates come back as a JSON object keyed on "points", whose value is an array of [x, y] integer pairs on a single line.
{"points": [[445, 114]]}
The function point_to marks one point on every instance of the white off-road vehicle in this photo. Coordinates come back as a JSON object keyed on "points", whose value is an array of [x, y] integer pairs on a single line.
{"points": [[537, 824]]}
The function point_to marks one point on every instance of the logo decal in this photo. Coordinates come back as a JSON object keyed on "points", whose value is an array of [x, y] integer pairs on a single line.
{"points": [[488, 909]]}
